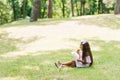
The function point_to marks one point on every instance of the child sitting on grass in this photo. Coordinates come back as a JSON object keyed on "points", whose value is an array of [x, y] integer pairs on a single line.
{"points": [[83, 57]]}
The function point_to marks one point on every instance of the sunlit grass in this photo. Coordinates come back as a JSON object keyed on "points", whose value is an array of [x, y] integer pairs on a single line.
{"points": [[109, 21], [26, 22], [104, 20], [41, 67]]}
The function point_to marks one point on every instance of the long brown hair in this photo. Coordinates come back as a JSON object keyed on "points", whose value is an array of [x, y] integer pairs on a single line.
{"points": [[86, 49]]}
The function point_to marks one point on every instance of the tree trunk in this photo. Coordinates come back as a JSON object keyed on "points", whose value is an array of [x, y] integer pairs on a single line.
{"points": [[24, 8], [50, 9], [77, 9], [63, 7], [82, 7], [117, 7], [40, 10], [72, 7], [100, 6], [35, 11], [14, 11]]}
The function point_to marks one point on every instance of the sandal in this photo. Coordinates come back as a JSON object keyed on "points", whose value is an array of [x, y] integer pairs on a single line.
{"points": [[58, 65]]}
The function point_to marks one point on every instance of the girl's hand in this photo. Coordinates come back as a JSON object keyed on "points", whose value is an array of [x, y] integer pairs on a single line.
{"points": [[78, 51], [79, 60], [82, 61]]}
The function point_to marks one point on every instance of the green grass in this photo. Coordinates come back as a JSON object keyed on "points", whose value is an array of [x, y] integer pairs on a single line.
{"points": [[40, 65], [109, 21], [26, 22], [105, 20], [6, 44]]}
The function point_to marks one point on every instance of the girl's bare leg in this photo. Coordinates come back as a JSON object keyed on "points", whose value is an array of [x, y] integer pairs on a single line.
{"points": [[69, 64]]}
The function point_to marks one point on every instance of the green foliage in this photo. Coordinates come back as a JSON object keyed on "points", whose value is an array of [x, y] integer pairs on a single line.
{"points": [[16, 7], [4, 13], [93, 7], [43, 10], [28, 7], [8, 14]]}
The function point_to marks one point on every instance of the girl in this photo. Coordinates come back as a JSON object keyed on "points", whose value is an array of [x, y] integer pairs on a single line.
{"points": [[83, 57]]}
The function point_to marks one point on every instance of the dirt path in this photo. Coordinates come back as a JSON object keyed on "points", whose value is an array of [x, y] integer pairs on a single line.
{"points": [[54, 37]]}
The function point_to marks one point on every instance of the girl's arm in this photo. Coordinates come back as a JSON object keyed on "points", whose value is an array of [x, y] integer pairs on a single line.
{"points": [[83, 61], [86, 60], [78, 51], [80, 60]]}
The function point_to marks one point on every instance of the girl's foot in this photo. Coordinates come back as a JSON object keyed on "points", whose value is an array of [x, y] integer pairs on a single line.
{"points": [[58, 64]]}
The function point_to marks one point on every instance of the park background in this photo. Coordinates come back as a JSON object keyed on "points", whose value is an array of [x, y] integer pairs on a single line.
{"points": [[34, 34]]}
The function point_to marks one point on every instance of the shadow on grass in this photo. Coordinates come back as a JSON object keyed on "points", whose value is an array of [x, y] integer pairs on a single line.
{"points": [[10, 44], [6, 44], [40, 22]]}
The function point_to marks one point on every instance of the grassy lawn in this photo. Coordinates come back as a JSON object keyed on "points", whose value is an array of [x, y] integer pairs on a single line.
{"points": [[39, 65], [106, 20]]}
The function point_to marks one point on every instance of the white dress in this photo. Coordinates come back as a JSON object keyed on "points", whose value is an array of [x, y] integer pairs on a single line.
{"points": [[80, 64]]}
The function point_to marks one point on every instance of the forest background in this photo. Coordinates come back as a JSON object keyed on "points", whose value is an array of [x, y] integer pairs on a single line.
{"points": [[12, 10]]}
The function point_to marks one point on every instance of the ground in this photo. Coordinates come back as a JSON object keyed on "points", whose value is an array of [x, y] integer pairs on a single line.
{"points": [[63, 35], [60, 34]]}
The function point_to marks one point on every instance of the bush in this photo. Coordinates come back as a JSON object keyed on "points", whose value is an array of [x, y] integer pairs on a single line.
{"points": [[4, 14]]}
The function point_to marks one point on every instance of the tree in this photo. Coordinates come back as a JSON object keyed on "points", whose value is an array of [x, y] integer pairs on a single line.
{"points": [[77, 9], [43, 9], [100, 6], [117, 7], [63, 7], [16, 8], [14, 11], [50, 9], [35, 10], [82, 7], [92, 6], [72, 7], [24, 8], [4, 14]]}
